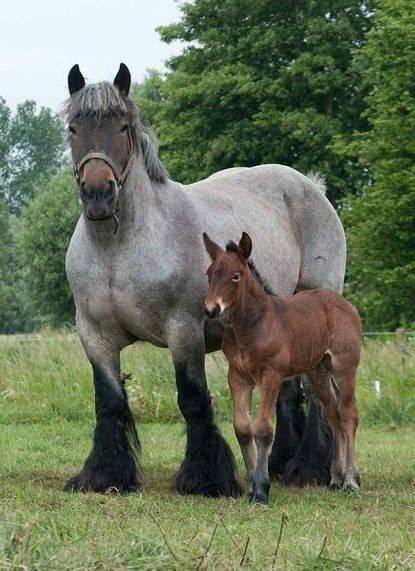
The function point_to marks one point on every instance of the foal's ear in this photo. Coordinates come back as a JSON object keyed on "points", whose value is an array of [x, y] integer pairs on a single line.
{"points": [[211, 247], [123, 79], [76, 80], [245, 245]]}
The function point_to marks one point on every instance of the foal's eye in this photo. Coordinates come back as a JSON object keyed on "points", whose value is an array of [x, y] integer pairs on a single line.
{"points": [[236, 276], [71, 130], [125, 128]]}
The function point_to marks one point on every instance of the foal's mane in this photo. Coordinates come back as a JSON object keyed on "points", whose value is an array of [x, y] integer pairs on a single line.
{"points": [[103, 101], [233, 247]]}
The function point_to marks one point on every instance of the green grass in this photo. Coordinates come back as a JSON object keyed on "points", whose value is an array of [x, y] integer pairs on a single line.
{"points": [[45, 376], [46, 425]]}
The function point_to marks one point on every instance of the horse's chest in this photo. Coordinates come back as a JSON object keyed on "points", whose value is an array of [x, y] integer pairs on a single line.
{"points": [[115, 296], [139, 304]]}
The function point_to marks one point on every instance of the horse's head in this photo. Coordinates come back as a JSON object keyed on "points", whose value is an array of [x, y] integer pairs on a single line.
{"points": [[226, 274], [101, 136]]}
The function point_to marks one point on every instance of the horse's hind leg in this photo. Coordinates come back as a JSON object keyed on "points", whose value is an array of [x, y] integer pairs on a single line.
{"points": [[290, 425], [311, 463]]}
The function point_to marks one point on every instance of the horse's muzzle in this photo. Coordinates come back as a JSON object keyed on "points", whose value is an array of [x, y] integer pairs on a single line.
{"points": [[99, 203]]}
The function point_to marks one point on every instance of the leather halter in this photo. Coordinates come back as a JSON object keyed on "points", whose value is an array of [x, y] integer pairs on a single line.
{"points": [[119, 176]]}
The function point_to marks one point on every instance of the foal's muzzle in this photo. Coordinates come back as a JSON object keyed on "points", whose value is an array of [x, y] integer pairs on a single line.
{"points": [[213, 313]]}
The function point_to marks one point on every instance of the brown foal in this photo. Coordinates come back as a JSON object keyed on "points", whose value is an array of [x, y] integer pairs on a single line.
{"points": [[270, 338]]}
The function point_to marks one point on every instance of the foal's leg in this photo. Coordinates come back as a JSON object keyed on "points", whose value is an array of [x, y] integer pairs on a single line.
{"points": [[269, 386], [208, 467], [345, 375], [111, 463], [241, 390], [342, 414]]}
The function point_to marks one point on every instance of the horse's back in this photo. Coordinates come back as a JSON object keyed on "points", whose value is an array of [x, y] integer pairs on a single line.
{"points": [[294, 227]]}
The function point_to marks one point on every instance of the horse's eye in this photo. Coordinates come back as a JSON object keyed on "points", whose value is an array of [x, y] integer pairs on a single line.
{"points": [[71, 130], [236, 276], [125, 128]]}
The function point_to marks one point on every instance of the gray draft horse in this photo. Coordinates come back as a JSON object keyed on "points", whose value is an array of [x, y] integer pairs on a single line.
{"points": [[137, 266]]}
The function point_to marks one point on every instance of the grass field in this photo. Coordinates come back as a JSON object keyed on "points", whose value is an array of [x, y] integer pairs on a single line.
{"points": [[46, 422]]}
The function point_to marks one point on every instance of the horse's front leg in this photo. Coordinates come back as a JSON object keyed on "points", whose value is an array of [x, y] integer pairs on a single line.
{"points": [[111, 464], [208, 468]]}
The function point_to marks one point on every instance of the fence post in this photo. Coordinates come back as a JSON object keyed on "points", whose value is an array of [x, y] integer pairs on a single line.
{"points": [[400, 341]]}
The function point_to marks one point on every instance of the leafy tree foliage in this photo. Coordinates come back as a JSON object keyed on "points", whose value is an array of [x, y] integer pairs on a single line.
{"points": [[380, 223], [4, 264], [260, 81], [43, 237], [149, 96], [31, 147]]}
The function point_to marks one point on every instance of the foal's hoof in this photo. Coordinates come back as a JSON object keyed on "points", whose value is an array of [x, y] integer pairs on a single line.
{"points": [[352, 484], [336, 483], [259, 493], [102, 481], [258, 497]]}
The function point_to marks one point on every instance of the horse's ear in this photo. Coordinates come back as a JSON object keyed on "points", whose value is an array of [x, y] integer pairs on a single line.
{"points": [[123, 79], [211, 247], [76, 80], [245, 245]]}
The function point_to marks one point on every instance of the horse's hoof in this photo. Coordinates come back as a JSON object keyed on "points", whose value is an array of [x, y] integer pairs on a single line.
{"points": [[209, 467], [190, 480], [102, 482], [300, 472]]}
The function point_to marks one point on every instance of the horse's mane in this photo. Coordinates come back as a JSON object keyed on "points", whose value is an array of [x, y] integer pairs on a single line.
{"points": [[233, 247], [103, 100]]}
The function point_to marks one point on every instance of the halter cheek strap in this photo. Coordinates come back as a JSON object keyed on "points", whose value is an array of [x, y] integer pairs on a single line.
{"points": [[119, 177]]}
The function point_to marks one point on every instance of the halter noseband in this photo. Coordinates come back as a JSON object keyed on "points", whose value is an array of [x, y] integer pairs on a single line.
{"points": [[119, 177]]}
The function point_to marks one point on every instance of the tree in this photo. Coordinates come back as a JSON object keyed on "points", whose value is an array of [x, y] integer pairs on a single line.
{"points": [[149, 97], [43, 237], [31, 147], [261, 81], [4, 265], [380, 223]]}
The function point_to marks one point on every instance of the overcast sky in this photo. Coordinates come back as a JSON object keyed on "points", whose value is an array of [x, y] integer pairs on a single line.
{"points": [[40, 40]]}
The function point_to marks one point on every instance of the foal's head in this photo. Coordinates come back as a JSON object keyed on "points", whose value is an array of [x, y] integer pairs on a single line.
{"points": [[226, 274]]}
